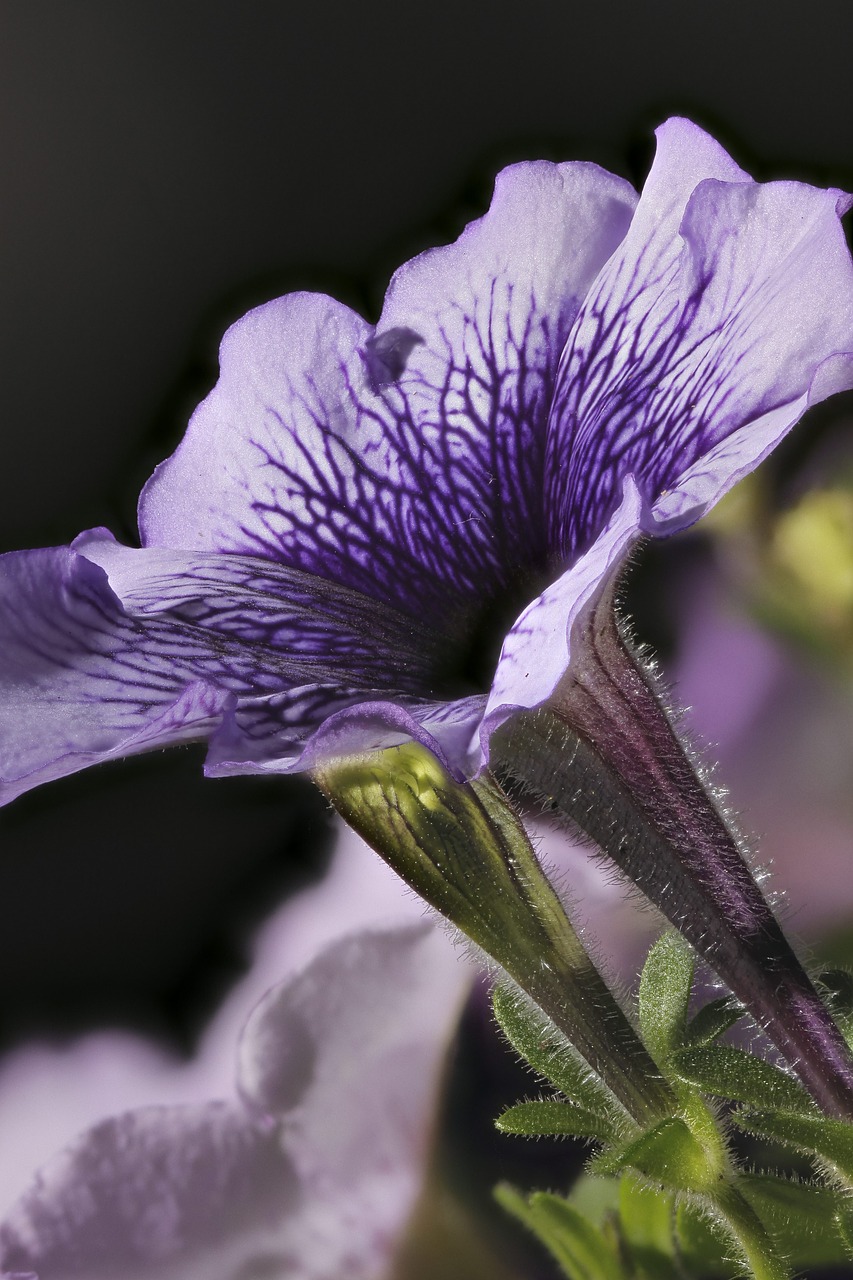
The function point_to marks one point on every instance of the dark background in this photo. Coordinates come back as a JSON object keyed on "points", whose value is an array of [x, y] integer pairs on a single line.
{"points": [[164, 166]]}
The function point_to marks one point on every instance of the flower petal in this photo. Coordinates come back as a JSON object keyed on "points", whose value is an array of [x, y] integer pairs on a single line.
{"points": [[275, 626], [715, 472], [106, 652], [350, 1053], [81, 681], [726, 310], [314, 1175], [405, 462], [537, 650], [280, 733], [177, 1193]]}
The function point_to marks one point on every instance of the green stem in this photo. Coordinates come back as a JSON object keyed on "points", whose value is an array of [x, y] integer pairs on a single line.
{"points": [[464, 850], [743, 1225]]}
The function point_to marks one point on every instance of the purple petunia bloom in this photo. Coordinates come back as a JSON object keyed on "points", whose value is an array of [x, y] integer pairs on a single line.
{"points": [[352, 509]]}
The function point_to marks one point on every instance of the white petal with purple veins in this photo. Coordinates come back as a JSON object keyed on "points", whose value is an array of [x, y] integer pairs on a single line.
{"points": [[81, 681], [106, 651], [295, 624], [711, 321], [280, 734], [406, 463], [537, 651], [351, 509]]}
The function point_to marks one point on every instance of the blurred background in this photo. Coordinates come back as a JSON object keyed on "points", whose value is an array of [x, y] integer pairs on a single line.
{"points": [[166, 166]]}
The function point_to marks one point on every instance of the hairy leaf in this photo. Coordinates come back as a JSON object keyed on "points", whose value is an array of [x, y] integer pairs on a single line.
{"points": [[802, 1216], [551, 1118], [829, 1141], [731, 1073], [712, 1020], [551, 1054], [665, 985]]}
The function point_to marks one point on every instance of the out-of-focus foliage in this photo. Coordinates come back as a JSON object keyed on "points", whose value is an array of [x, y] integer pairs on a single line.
{"points": [[794, 567]]}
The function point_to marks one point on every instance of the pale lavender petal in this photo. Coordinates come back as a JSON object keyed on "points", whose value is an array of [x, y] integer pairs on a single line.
{"points": [[284, 626], [349, 1054], [81, 681], [172, 1193], [51, 1091], [295, 731], [106, 652], [314, 1174], [537, 651], [726, 310], [405, 462], [715, 472]]}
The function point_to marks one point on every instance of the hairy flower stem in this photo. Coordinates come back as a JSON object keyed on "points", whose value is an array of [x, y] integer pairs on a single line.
{"points": [[602, 754], [463, 849], [749, 1234]]}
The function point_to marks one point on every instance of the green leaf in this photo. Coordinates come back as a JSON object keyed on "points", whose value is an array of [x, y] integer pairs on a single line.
{"points": [[668, 1153], [551, 1118], [646, 1219], [731, 1073], [578, 1246], [844, 1226], [712, 1020], [665, 985], [552, 1055], [830, 1141], [802, 1216], [703, 1246]]}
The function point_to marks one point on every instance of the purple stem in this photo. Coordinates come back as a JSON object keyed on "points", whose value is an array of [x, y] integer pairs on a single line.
{"points": [[604, 755]]}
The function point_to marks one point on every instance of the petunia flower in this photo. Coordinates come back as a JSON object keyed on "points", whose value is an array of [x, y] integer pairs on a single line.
{"points": [[414, 531], [352, 506], [311, 1169]]}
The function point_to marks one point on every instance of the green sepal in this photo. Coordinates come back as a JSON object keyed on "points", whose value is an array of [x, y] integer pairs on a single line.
{"points": [[665, 986], [803, 1218], [830, 1141], [548, 1117], [668, 1154], [544, 1047], [727, 1240], [730, 1073], [582, 1250], [751, 1247], [712, 1020], [464, 849]]}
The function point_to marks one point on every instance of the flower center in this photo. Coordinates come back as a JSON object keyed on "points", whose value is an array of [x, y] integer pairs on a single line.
{"points": [[471, 657]]}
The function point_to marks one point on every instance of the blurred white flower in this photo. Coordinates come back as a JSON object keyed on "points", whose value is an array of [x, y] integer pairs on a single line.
{"points": [[313, 1168]]}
